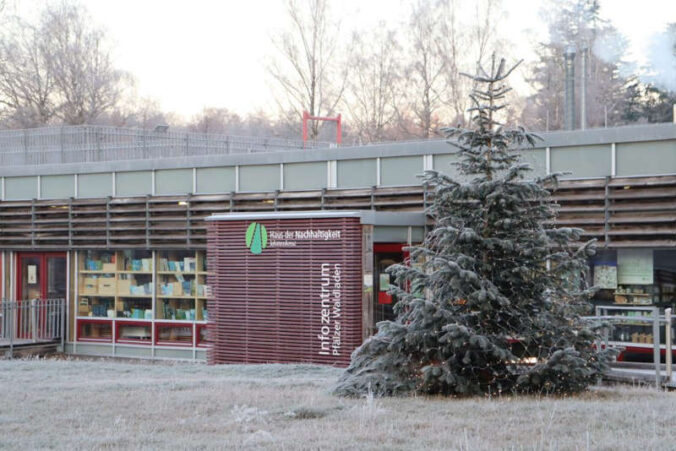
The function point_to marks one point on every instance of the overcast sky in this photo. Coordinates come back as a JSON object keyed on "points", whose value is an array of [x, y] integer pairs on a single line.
{"points": [[191, 54]]}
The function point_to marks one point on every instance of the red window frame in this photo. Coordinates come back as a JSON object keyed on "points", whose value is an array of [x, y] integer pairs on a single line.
{"points": [[81, 322], [159, 342], [119, 324], [198, 341]]}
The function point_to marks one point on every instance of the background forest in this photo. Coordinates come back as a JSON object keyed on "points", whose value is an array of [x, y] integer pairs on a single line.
{"points": [[392, 82]]}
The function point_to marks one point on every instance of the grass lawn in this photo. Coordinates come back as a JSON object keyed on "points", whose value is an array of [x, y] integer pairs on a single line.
{"points": [[80, 404]]}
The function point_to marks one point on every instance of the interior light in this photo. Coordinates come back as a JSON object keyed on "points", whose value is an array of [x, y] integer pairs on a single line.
{"points": [[182, 202]]}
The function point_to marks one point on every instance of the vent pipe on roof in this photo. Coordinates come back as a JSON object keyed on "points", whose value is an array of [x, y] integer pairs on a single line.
{"points": [[569, 101], [583, 88]]}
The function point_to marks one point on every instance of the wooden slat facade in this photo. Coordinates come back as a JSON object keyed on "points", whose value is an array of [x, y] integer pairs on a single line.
{"points": [[619, 212]]}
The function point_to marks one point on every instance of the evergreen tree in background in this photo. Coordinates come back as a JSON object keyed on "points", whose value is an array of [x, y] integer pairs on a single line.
{"points": [[580, 24], [482, 298]]}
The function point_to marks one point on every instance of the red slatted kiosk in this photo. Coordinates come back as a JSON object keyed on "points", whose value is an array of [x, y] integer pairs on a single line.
{"points": [[286, 287]]}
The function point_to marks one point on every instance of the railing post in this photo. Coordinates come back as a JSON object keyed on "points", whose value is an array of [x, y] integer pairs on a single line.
{"points": [[11, 328], [656, 346], [62, 326], [34, 319], [667, 342]]}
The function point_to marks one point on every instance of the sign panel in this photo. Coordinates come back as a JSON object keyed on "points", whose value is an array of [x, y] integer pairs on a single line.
{"points": [[635, 266], [32, 274], [285, 290], [605, 277]]}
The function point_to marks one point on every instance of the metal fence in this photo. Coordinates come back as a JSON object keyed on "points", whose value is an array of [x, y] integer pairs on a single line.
{"points": [[31, 321], [91, 143], [650, 316]]}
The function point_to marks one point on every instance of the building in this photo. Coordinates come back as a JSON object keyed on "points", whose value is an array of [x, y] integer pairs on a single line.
{"points": [[114, 220]]}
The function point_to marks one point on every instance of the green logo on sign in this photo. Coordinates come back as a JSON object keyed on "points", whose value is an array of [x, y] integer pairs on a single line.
{"points": [[256, 237]]}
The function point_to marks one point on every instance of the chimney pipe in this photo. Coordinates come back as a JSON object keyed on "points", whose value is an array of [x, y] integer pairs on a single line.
{"points": [[569, 102], [583, 88]]}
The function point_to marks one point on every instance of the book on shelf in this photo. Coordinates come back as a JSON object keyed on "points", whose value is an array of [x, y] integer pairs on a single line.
{"points": [[190, 264]]}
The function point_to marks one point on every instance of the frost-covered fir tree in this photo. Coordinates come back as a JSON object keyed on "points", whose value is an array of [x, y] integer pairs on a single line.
{"points": [[493, 303]]}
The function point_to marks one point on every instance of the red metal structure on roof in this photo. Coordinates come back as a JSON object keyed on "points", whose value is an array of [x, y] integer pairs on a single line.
{"points": [[337, 120]]}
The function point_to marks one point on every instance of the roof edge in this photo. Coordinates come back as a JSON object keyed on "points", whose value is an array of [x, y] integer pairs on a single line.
{"points": [[369, 217]]}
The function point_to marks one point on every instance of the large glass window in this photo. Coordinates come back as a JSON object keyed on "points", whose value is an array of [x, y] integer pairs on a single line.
{"points": [[635, 277], [135, 285], [127, 291]]}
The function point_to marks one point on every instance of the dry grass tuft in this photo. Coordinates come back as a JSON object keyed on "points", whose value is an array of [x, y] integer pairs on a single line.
{"points": [[79, 404]]}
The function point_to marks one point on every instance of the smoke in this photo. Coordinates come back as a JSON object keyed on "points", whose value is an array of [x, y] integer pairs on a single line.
{"points": [[611, 47], [661, 70]]}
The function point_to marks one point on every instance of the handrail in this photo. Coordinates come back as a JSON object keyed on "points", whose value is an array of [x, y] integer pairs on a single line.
{"points": [[94, 143], [34, 320], [655, 319]]}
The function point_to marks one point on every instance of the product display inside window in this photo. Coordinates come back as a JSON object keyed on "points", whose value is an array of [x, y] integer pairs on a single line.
{"points": [[135, 285], [202, 335], [640, 277], [97, 271], [181, 286], [173, 334], [95, 331], [144, 286], [134, 332], [636, 285]]}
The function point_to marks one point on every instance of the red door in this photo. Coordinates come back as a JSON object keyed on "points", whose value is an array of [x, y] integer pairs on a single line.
{"points": [[41, 275], [385, 255]]}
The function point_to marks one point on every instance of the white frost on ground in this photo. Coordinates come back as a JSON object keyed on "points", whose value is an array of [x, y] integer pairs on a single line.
{"points": [[85, 404]]}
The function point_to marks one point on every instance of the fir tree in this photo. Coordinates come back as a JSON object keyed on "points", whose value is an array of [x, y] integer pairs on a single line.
{"points": [[494, 303]]}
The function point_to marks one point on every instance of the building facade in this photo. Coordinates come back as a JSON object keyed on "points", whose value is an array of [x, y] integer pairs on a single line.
{"points": [[115, 220]]}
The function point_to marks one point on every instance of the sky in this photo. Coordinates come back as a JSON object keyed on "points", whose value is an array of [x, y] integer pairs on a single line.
{"points": [[192, 54]]}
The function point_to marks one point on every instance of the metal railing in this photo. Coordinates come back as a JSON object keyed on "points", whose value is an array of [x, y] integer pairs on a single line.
{"points": [[31, 321], [652, 318], [93, 143]]}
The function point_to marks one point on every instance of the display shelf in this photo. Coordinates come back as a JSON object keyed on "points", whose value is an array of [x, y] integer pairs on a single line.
{"points": [[631, 304], [96, 307], [135, 332], [105, 296], [174, 334], [95, 330], [202, 336], [180, 285], [629, 344]]}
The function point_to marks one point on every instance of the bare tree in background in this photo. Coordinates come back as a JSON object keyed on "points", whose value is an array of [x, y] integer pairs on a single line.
{"points": [[306, 69], [446, 38], [426, 69], [58, 70], [141, 112], [465, 46], [27, 86], [373, 89], [81, 64], [216, 120]]}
